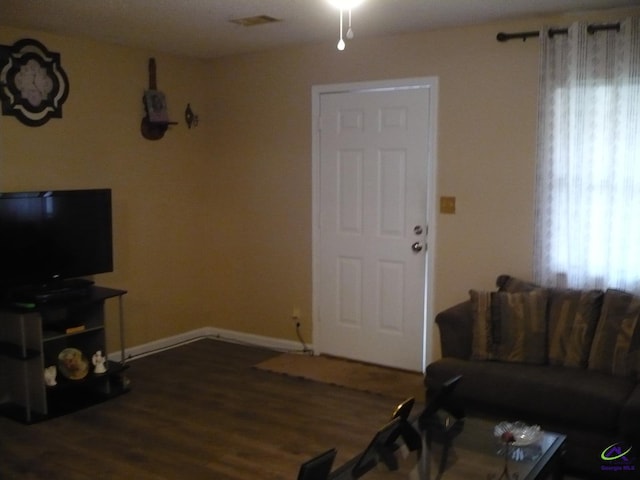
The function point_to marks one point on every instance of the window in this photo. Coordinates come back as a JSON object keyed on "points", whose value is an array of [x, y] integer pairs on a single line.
{"points": [[588, 185]]}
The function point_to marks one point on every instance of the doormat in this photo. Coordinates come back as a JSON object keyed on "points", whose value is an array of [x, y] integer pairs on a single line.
{"points": [[390, 382]]}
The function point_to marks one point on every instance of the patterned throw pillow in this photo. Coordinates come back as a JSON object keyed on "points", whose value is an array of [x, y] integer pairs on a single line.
{"points": [[507, 283], [573, 316], [510, 327], [482, 333], [616, 344]]}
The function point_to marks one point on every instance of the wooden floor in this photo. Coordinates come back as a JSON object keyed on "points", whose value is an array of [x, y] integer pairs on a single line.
{"points": [[199, 411]]}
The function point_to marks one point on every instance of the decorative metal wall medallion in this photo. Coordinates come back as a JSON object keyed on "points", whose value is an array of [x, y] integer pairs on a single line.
{"points": [[33, 85]]}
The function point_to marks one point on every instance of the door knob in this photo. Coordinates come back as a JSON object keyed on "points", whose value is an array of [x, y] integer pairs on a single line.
{"points": [[416, 247]]}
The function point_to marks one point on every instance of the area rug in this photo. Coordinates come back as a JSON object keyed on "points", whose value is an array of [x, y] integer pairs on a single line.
{"points": [[398, 384]]}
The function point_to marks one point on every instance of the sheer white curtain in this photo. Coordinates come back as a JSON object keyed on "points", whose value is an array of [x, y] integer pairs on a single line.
{"points": [[588, 185]]}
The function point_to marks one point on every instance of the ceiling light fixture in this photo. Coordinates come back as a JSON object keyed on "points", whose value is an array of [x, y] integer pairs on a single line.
{"points": [[343, 5]]}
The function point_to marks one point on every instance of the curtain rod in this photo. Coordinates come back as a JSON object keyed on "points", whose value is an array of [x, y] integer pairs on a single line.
{"points": [[504, 37]]}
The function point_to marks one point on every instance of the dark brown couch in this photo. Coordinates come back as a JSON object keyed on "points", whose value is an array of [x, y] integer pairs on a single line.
{"points": [[595, 408]]}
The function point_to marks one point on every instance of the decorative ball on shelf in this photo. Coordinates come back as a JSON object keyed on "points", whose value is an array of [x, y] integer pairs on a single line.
{"points": [[73, 364]]}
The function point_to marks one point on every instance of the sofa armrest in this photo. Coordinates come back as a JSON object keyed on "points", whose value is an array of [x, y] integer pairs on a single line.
{"points": [[456, 325], [630, 416]]}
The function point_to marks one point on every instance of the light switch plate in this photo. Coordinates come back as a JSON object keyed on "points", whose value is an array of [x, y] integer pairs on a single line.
{"points": [[448, 205]]}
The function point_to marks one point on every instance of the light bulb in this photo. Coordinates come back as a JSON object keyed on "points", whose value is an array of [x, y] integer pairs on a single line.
{"points": [[341, 41], [345, 4]]}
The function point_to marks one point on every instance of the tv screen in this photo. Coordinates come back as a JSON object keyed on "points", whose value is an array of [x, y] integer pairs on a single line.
{"points": [[49, 236]]}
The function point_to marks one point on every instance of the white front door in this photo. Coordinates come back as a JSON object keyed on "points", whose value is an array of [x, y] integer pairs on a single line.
{"points": [[372, 181]]}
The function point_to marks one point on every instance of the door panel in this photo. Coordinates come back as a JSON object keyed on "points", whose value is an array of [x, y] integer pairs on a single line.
{"points": [[373, 164]]}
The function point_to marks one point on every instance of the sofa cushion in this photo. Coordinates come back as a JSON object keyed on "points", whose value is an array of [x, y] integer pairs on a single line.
{"points": [[507, 283], [455, 325], [509, 326], [536, 393], [616, 344], [573, 316]]}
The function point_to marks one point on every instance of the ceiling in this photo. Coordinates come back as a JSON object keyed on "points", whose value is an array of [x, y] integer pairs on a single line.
{"points": [[202, 28]]}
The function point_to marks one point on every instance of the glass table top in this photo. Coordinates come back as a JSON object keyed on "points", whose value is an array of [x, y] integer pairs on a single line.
{"points": [[474, 453]]}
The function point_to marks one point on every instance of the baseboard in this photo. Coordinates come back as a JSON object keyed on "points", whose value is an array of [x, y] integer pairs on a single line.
{"points": [[278, 344]]}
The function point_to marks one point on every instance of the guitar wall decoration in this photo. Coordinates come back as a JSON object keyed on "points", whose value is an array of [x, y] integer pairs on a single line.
{"points": [[156, 120]]}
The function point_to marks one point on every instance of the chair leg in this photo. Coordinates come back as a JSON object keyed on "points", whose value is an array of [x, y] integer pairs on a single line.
{"points": [[445, 456]]}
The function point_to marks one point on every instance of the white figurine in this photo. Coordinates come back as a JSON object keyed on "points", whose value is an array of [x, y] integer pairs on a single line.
{"points": [[50, 376], [98, 362]]}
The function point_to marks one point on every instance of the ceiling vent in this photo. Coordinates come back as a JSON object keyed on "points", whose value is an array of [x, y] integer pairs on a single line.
{"points": [[253, 21]]}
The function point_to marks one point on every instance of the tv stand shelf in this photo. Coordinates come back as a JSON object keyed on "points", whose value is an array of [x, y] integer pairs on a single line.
{"points": [[31, 340]]}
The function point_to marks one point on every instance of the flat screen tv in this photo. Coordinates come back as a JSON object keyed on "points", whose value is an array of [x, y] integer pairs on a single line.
{"points": [[49, 237]]}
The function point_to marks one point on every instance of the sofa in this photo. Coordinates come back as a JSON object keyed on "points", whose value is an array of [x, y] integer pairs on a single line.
{"points": [[567, 360]]}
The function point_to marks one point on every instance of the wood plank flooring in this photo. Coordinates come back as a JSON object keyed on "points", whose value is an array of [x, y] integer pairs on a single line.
{"points": [[199, 411]]}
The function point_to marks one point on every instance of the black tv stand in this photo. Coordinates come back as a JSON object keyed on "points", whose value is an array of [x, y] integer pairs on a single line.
{"points": [[33, 339], [58, 290]]}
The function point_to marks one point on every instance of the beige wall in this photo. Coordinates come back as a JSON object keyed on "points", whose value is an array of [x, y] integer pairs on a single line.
{"points": [[213, 225], [166, 217]]}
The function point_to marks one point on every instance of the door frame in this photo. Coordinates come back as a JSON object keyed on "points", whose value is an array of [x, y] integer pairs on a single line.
{"points": [[430, 84]]}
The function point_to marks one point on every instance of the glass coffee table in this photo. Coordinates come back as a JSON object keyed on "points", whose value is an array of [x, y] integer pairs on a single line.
{"points": [[474, 453]]}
